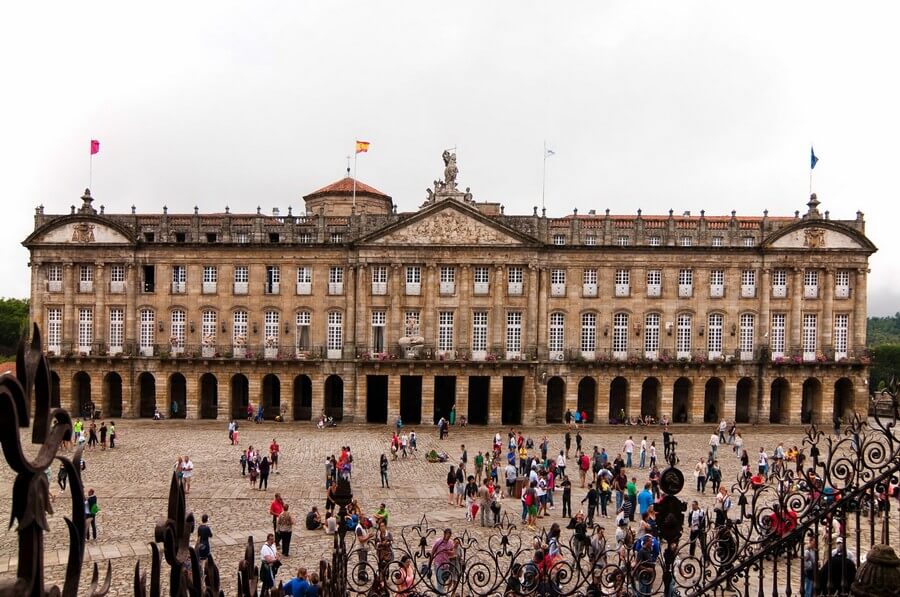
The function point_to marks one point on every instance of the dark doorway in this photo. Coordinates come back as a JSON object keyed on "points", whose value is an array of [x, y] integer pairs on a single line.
{"points": [[411, 399], [714, 401], [743, 400], [618, 400], [587, 398], [681, 400], [444, 396], [112, 395], [811, 406], [147, 385], [240, 396], [843, 399], [177, 396], [479, 399], [334, 397], [511, 401], [54, 390], [556, 400], [377, 399], [650, 391], [209, 396], [81, 395], [271, 396], [779, 401], [302, 398]]}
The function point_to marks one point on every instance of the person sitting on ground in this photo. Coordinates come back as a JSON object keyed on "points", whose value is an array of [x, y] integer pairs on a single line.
{"points": [[313, 519], [331, 523]]}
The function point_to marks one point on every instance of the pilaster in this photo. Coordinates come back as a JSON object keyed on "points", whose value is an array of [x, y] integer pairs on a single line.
{"points": [[860, 312], [428, 399]]}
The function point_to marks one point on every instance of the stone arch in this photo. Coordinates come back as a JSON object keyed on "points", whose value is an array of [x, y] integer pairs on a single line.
{"points": [[713, 400], [240, 396], [82, 404], [556, 399], [112, 395], [587, 398], [334, 397], [271, 396], [618, 399], [780, 401], [209, 396], [54, 390], [681, 400], [651, 394], [302, 398], [147, 394], [177, 407], [811, 404], [843, 399], [743, 400]]}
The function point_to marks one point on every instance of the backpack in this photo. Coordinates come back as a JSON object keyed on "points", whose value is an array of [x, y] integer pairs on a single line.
{"points": [[585, 463], [529, 499]]}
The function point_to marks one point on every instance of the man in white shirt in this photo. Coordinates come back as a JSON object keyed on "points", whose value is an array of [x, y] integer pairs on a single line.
{"points": [[629, 451], [268, 557], [644, 452], [713, 447], [561, 464]]}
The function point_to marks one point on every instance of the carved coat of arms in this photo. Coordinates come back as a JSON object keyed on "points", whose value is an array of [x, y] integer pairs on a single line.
{"points": [[83, 233], [814, 238]]}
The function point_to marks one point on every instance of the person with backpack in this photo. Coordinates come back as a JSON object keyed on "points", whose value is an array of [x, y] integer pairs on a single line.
{"points": [[204, 534], [91, 509], [605, 495], [592, 498], [723, 505], [697, 524]]}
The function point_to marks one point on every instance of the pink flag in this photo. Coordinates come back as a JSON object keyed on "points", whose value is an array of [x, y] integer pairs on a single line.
{"points": [[95, 146]]}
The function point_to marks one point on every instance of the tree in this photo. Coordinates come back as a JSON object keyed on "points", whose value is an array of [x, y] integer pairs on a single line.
{"points": [[13, 324]]}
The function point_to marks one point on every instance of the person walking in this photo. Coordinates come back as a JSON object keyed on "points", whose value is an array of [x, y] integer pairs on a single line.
{"points": [[275, 510], [593, 499], [713, 446], [644, 452], [384, 472], [264, 473], [187, 469], [92, 435], [285, 529], [274, 453], [700, 475], [204, 534], [566, 498], [112, 435], [91, 509], [628, 448]]}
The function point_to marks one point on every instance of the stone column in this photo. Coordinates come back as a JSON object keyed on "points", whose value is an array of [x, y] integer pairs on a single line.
{"points": [[860, 312], [540, 339], [696, 398], [495, 399], [393, 399], [317, 392], [100, 316], [428, 399], [762, 398], [667, 397], [530, 316], [796, 400], [192, 396], [826, 343], [634, 395], [361, 308], [69, 324], [462, 396], [794, 341], [38, 297], [730, 399], [532, 413]]}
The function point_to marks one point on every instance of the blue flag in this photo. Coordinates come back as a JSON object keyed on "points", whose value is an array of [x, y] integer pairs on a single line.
{"points": [[812, 158]]}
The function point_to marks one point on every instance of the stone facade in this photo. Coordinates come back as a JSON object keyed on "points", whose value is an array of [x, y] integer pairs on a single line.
{"points": [[371, 314]]}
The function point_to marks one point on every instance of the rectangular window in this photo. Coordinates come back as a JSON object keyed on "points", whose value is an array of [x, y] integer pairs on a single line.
{"points": [[778, 329], [149, 237], [149, 272], [337, 238], [242, 237], [811, 284], [210, 279], [622, 282], [305, 238], [413, 280], [714, 335], [779, 283], [747, 337], [482, 278], [651, 335], [810, 321], [212, 237], [559, 239], [717, 283], [336, 280], [557, 282], [654, 241], [239, 333], [116, 330], [85, 330], [479, 335], [590, 240], [208, 333], [241, 279], [86, 278], [117, 279], [686, 241], [557, 339], [513, 334], [379, 319], [683, 335], [588, 335], [748, 283], [654, 282], [841, 334], [445, 331], [54, 278], [274, 237], [685, 283], [304, 321], [273, 279], [180, 237], [622, 241], [589, 283], [271, 330], [515, 279], [304, 280], [447, 279], [335, 334], [179, 279], [54, 329], [842, 284], [749, 241], [176, 338], [148, 332], [379, 280], [717, 241], [620, 336]]}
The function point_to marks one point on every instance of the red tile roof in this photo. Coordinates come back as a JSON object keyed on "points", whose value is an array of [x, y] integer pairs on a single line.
{"points": [[345, 187]]}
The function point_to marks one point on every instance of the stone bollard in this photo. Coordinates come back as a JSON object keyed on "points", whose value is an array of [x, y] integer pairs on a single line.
{"points": [[879, 576]]}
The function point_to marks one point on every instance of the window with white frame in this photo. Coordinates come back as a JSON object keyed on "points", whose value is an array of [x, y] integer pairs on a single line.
{"points": [[589, 282], [779, 283], [210, 278], [447, 277], [748, 283], [302, 338], [747, 336], [273, 279], [811, 283], [590, 240], [336, 280], [54, 329], [588, 335], [749, 241], [208, 332], [242, 237], [557, 338], [685, 282], [557, 282], [148, 331], [654, 282], [841, 335], [86, 278], [379, 320], [54, 277], [305, 238], [85, 329], [412, 324], [515, 279], [559, 239], [239, 332], [620, 336], [717, 241], [335, 334], [513, 334], [177, 331], [683, 335], [116, 330], [842, 284], [622, 281], [715, 321], [413, 280], [482, 278], [686, 241], [304, 280], [651, 335], [778, 334], [622, 240], [179, 279], [117, 279], [654, 241], [241, 279], [271, 329], [445, 331], [810, 332], [337, 238], [717, 283], [379, 279], [479, 334]]}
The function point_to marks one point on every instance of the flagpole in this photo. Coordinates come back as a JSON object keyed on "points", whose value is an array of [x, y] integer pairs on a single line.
{"points": [[355, 155], [91, 171], [544, 178]]}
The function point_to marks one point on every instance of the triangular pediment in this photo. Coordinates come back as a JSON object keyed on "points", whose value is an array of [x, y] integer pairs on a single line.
{"points": [[448, 223], [819, 234], [79, 230]]}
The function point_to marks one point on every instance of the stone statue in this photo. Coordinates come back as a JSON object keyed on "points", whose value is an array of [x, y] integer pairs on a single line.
{"points": [[468, 196], [430, 196], [450, 169], [412, 343]]}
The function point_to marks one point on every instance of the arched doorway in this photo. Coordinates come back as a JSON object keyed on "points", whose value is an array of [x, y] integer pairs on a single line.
{"points": [[112, 395], [681, 400], [714, 401], [54, 390], [556, 399], [618, 400], [650, 397], [843, 399], [240, 396], [271, 396], [811, 405], [209, 396], [780, 401], [334, 397], [587, 398], [377, 399], [302, 398], [81, 395], [147, 391], [177, 396], [744, 399]]}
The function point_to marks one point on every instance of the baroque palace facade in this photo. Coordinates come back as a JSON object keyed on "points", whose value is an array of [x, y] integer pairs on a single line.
{"points": [[368, 314]]}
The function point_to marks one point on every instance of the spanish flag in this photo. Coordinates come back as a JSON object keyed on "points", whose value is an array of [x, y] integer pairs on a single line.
{"points": [[362, 146]]}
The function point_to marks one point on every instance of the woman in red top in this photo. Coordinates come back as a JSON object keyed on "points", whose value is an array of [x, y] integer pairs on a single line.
{"points": [[275, 510]]}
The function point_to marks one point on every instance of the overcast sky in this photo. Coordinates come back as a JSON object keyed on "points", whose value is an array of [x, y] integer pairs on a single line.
{"points": [[681, 105]]}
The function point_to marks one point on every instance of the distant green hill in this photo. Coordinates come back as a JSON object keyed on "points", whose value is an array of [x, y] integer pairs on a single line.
{"points": [[883, 330]]}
